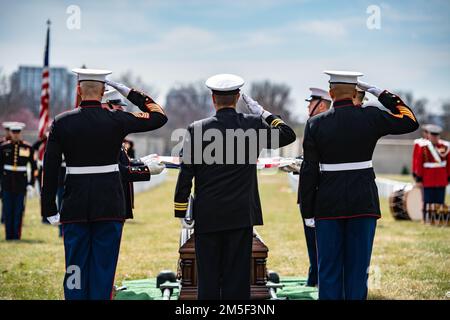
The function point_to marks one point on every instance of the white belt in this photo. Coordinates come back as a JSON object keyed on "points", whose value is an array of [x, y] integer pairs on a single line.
{"points": [[346, 166], [15, 168], [93, 169], [441, 164]]}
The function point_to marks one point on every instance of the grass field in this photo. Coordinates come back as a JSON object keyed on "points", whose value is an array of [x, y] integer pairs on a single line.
{"points": [[410, 260]]}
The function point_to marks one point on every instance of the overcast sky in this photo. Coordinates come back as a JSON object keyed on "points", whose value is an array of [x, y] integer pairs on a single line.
{"points": [[171, 42]]}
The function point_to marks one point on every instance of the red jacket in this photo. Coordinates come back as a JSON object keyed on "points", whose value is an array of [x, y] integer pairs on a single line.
{"points": [[431, 163]]}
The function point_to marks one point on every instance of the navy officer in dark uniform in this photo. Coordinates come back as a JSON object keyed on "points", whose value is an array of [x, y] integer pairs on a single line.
{"points": [[226, 201], [338, 194], [15, 156], [93, 207]]}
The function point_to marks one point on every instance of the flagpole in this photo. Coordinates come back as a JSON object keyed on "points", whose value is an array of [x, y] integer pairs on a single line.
{"points": [[44, 107]]}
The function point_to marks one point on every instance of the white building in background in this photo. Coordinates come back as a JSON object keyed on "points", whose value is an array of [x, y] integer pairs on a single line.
{"points": [[28, 80]]}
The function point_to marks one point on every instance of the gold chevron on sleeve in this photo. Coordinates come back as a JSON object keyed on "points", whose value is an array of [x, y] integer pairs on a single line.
{"points": [[404, 113]]}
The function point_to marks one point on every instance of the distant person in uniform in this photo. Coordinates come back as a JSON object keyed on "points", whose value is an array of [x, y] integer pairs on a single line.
{"points": [[129, 148], [131, 170], [7, 136], [93, 206], [226, 200], [432, 166], [338, 194], [15, 155], [417, 149]]}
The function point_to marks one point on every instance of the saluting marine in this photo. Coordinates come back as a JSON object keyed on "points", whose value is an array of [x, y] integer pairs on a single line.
{"points": [[226, 201], [93, 207], [337, 189], [131, 170], [15, 156], [432, 166]]}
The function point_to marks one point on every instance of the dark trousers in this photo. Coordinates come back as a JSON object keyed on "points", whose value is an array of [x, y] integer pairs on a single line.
{"points": [[3, 210], [344, 248], [224, 264], [92, 251], [13, 207], [433, 195], [310, 236]]}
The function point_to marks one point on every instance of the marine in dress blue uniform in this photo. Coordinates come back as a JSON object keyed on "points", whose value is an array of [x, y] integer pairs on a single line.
{"points": [[4, 139], [337, 186], [226, 205], [15, 156], [93, 206]]}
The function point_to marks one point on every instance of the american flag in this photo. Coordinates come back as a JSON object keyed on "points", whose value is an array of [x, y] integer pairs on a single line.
{"points": [[45, 97]]}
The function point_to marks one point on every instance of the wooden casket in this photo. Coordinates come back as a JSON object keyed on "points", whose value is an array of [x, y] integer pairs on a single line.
{"points": [[187, 271]]}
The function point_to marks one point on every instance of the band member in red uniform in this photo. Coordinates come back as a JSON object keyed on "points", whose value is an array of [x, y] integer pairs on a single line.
{"points": [[418, 144], [432, 163]]}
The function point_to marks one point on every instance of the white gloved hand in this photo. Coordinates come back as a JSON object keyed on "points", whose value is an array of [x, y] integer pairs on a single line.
{"points": [[370, 88], [254, 107], [30, 189], [185, 224], [150, 158], [153, 164], [54, 220], [123, 89], [310, 223], [293, 167], [155, 168]]}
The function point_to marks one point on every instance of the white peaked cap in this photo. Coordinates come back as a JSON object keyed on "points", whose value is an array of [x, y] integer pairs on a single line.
{"points": [[317, 93], [224, 82], [16, 126], [7, 124], [433, 128], [91, 74], [114, 97], [344, 77]]}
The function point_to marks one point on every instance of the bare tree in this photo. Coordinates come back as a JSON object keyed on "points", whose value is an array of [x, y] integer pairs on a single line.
{"points": [[188, 103], [131, 80], [419, 106], [446, 118], [275, 97]]}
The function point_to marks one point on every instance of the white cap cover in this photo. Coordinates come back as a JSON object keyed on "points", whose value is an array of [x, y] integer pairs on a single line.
{"points": [[317, 93], [224, 82], [7, 124], [434, 129], [16, 126], [344, 77], [91, 74]]}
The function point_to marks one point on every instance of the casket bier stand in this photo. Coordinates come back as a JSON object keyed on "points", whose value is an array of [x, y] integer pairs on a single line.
{"points": [[187, 270]]}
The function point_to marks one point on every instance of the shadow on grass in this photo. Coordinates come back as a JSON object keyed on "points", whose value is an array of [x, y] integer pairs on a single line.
{"points": [[27, 241]]}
